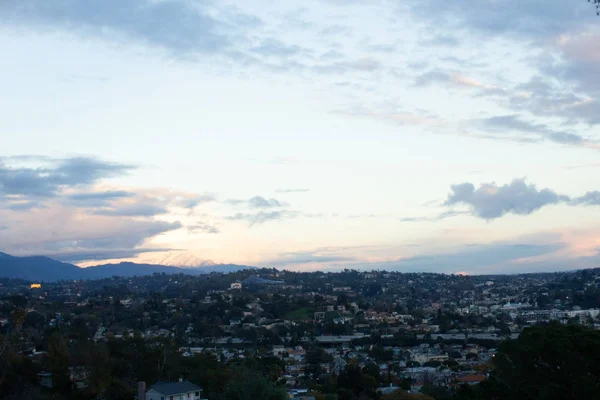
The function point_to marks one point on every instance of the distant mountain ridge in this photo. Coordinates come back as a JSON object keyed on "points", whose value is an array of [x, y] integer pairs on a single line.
{"points": [[182, 260], [45, 269]]}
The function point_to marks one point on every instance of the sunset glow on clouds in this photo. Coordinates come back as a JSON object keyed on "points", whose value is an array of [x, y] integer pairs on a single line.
{"points": [[408, 135]]}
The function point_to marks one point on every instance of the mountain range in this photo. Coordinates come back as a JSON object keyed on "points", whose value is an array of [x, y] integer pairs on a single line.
{"points": [[45, 269]]}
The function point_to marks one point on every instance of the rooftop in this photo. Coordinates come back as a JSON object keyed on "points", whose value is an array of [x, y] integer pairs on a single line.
{"points": [[172, 388]]}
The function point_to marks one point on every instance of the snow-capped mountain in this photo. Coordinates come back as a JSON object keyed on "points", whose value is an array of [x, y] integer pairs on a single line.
{"points": [[182, 260]]}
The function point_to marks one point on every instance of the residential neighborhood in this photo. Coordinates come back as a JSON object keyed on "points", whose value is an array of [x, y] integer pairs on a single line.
{"points": [[419, 333]]}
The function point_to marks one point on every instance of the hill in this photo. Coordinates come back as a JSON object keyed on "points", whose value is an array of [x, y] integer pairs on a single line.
{"points": [[45, 269]]}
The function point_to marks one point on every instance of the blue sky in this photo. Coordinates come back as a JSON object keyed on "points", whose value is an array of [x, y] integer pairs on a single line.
{"points": [[412, 135]]}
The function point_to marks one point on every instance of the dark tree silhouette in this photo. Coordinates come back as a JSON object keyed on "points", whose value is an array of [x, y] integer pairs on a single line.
{"points": [[597, 3], [552, 362]]}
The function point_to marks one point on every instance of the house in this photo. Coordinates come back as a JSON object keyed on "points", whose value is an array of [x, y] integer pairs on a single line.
{"points": [[470, 379], [45, 379], [182, 390]]}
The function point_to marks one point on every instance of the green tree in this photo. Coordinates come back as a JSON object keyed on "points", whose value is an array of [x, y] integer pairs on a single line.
{"points": [[551, 362], [250, 385]]}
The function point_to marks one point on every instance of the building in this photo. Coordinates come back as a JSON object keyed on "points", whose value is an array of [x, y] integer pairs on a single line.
{"points": [[236, 286], [470, 379], [182, 390], [35, 286]]}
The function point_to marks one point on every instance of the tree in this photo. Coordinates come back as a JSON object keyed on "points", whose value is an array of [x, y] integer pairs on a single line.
{"points": [[597, 3], [402, 395], [373, 370], [250, 385], [58, 361], [548, 362], [314, 358]]}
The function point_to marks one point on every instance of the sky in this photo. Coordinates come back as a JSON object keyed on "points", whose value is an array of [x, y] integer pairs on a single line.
{"points": [[415, 135]]}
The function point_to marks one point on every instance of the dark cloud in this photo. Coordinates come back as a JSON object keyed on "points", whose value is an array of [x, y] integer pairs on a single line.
{"points": [[108, 195], [504, 124], [490, 201], [178, 26], [48, 181], [98, 199], [109, 254]]}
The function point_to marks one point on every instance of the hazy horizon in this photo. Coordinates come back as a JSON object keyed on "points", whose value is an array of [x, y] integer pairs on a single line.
{"points": [[406, 135]]}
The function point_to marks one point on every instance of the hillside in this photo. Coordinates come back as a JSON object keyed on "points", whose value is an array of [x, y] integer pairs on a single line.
{"points": [[44, 269]]}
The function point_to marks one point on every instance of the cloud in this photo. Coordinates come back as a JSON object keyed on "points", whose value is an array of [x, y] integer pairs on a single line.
{"points": [[567, 83], [261, 202], [20, 205], [336, 30], [516, 18], [76, 256], [73, 234], [276, 48], [299, 190], [474, 259], [177, 26], [490, 201], [456, 79], [558, 38], [306, 257], [97, 198], [391, 114], [48, 180], [84, 217], [262, 217], [203, 227], [364, 64], [588, 199], [256, 202], [505, 123], [132, 210], [108, 195], [441, 40], [439, 217], [191, 201]]}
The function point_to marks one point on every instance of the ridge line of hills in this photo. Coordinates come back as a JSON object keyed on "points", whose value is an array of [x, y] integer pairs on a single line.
{"points": [[45, 269]]}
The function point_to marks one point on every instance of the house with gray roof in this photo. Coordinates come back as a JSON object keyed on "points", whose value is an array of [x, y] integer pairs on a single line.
{"points": [[182, 390]]}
